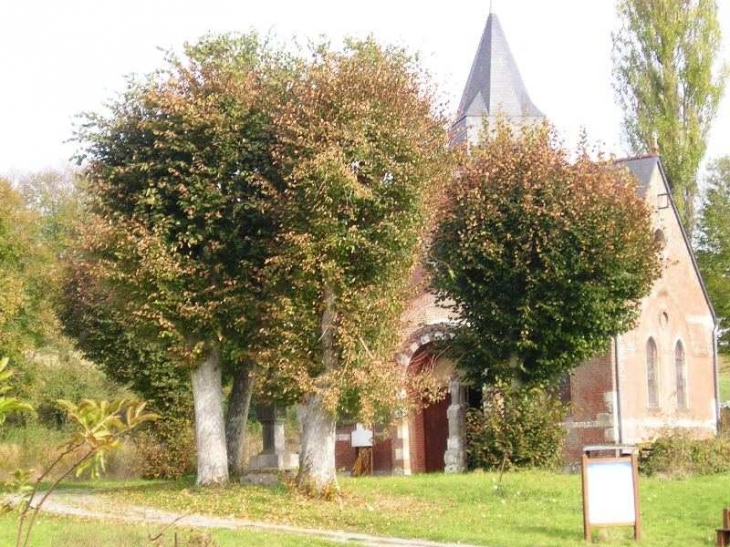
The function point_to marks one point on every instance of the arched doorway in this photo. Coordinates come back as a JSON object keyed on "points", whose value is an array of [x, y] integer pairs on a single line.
{"points": [[429, 427], [433, 439]]}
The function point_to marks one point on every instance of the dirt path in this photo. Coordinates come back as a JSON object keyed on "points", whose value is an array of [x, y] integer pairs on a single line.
{"points": [[91, 506]]}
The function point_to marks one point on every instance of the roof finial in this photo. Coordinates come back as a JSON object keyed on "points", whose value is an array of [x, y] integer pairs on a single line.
{"points": [[491, 6], [654, 143]]}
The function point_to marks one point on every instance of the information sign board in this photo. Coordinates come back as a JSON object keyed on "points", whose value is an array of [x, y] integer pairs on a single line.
{"points": [[610, 493]]}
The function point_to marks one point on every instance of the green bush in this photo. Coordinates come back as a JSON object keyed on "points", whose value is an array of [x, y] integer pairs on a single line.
{"points": [[680, 455], [50, 374], [167, 449], [516, 428]]}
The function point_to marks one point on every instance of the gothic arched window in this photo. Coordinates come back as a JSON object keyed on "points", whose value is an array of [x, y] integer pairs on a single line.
{"points": [[680, 367], [652, 375]]}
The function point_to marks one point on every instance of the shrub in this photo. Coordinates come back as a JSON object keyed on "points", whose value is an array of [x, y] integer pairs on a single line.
{"points": [[516, 428], [679, 455], [47, 375], [167, 449]]}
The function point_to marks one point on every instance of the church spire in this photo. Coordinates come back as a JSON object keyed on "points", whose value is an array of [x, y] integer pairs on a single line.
{"points": [[494, 86]]}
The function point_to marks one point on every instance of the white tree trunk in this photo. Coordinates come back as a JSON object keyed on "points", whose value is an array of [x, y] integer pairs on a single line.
{"points": [[210, 432], [317, 456]]}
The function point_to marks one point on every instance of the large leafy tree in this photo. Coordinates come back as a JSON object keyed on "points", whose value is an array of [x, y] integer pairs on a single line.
{"points": [[713, 250], [362, 155], [543, 259], [105, 333], [175, 172], [665, 56], [26, 262]]}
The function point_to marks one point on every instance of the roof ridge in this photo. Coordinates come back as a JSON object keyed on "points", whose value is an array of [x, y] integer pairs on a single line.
{"points": [[638, 157]]}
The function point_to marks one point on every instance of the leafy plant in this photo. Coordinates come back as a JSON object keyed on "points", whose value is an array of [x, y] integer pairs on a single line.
{"points": [[8, 405], [99, 427], [516, 428], [177, 169], [668, 84], [167, 450], [680, 454], [543, 258], [363, 162]]}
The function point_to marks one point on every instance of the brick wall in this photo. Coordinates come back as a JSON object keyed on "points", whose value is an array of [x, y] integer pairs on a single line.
{"points": [[592, 393]]}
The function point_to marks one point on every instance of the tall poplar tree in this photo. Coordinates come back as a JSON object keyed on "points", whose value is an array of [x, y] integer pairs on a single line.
{"points": [[713, 252], [668, 84]]}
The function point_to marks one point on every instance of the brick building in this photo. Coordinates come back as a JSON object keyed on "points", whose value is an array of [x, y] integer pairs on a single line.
{"points": [[661, 375]]}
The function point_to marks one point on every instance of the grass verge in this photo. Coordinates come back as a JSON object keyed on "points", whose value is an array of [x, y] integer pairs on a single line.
{"points": [[62, 532], [528, 508]]}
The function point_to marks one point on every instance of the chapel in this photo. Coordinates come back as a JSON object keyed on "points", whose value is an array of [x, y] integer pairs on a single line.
{"points": [[661, 375]]}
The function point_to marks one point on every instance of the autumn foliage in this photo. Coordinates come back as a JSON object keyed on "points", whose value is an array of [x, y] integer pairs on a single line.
{"points": [[544, 258], [257, 207], [363, 158]]}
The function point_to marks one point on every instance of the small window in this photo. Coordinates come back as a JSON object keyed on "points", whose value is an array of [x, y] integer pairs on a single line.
{"points": [[652, 375], [680, 366], [664, 319]]}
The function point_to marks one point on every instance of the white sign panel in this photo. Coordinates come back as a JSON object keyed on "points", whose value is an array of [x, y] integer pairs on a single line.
{"points": [[361, 437], [610, 492]]}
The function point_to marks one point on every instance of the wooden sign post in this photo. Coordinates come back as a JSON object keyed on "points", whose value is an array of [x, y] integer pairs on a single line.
{"points": [[610, 489]]}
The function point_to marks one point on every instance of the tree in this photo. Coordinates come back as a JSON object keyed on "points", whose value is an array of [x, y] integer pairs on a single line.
{"points": [[543, 259], [362, 156], [713, 249], [55, 197], [108, 337], [664, 55], [176, 172], [26, 313]]}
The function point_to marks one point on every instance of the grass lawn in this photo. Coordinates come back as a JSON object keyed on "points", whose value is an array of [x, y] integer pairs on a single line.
{"points": [[529, 508], [724, 377], [63, 532]]}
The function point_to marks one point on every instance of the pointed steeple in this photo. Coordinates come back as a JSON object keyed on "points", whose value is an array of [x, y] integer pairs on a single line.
{"points": [[494, 86]]}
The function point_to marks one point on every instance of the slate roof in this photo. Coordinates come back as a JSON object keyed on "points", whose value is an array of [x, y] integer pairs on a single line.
{"points": [[642, 168], [495, 85]]}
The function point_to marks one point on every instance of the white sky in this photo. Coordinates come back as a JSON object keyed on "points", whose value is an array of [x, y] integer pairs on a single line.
{"points": [[59, 58]]}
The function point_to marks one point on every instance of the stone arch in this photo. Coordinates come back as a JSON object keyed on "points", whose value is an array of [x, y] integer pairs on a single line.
{"points": [[449, 414], [422, 337]]}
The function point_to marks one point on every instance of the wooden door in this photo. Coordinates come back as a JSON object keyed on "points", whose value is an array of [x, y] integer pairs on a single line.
{"points": [[436, 433]]}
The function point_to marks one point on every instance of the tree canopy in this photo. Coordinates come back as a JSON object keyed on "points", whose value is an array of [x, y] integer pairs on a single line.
{"points": [[268, 208], [543, 259], [362, 156], [669, 85], [27, 265], [176, 171], [713, 249]]}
